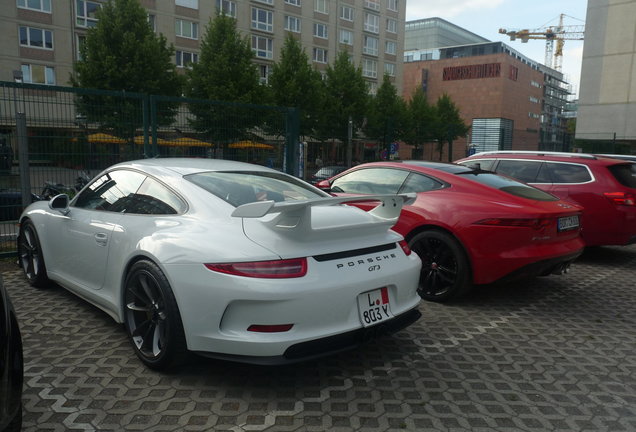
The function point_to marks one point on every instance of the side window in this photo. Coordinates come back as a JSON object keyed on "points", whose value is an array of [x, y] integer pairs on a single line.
{"points": [[569, 173], [482, 164], [154, 198], [420, 183], [110, 192], [371, 181], [522, 170], [544, 174]]}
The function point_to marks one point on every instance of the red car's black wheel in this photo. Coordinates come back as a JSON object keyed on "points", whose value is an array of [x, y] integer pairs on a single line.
{"points": [[445, 270]]}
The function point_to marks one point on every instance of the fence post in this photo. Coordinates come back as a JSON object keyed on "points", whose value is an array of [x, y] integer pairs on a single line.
{"points": [[292, 126], [23, 147]]}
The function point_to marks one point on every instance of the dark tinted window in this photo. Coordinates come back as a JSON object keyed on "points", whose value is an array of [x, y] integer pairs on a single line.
{"points": [[111, 191], [625, 174], [371, 181], [481, 164], [525, 171], [510, 186], [544, 174], [568, 173], [154, 198], [420, 183], [243, 187]]}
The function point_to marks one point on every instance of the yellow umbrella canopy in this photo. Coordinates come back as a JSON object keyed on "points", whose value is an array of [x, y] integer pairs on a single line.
{"points": [[248, 144], [100, 137], [187, 142], [139, 139]]}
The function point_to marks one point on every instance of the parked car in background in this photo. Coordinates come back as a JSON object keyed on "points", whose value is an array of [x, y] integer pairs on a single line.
{"points": [[225, 259], [470, 226], [604, 187], [11, 365], [325, 173]]}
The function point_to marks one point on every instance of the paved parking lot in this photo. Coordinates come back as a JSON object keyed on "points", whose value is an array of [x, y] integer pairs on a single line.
{"points": [[548, 354]]}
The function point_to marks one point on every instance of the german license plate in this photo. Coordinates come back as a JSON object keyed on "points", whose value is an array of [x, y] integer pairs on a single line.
{"points": [[568, 223], [374, 306]]}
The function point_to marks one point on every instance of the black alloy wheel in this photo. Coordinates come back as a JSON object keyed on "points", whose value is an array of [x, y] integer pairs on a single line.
{"points": [[445, 270], [152, 318], [30, 256]]}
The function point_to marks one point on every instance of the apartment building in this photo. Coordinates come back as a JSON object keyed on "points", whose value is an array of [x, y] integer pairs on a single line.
{"points": [[41, 37]]}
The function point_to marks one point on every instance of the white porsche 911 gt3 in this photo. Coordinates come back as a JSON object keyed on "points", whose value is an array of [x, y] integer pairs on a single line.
{"points": [[225, 259]]}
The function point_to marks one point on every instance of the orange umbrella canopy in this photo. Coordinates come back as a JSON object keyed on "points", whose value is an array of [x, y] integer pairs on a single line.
{"points": [[187, 142], [139, 139], [247, 144], [101, 137]]}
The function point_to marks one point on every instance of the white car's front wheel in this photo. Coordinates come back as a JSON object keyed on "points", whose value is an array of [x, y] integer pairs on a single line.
{"points": [[152, 318], [30, 256]]}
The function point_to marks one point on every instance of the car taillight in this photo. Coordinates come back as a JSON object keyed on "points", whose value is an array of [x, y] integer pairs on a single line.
{"points": [[535, 223], [270, 328], [279, 269], [621, 198], [405, 247]]}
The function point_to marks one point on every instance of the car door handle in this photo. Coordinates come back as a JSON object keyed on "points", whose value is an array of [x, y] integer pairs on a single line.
{"points": [[101, 239]]}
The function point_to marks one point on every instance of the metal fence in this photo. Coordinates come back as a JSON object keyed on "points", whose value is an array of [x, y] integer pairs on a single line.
{"points": [[50, 136]]}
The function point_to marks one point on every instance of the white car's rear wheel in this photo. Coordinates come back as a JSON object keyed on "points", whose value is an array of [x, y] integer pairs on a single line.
{"points": [[152, 318], [30, 255]]}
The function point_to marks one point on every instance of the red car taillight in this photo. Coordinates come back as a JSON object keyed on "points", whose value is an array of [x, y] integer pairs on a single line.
{"points": [[279, 269], [535, 223], [621, 198], [405, 247]]}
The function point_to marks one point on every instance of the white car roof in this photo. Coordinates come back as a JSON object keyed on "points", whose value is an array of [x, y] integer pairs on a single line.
{"points": [[185, 166]]}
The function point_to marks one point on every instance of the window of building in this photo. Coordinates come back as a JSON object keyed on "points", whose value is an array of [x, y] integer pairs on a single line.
{"points": [[389, 69], [320, 30], [321, 6], [320, 55], [392, 5], [372, 23], [292, 24], [346, 37], [264, 72], [390, 47], [86, 11], [293, 2], [186, 29], [81, 40], [263, 47], [372, 4], [262, 20], [369, 68], [38, 5], [38, 74], [185, 58], [192, 4], [36, 37], [346, 13], [534, 99], [226, 7], [370, 45], [372, 87], [269, 2], [152, 22], [391, 25], [535, 84]]}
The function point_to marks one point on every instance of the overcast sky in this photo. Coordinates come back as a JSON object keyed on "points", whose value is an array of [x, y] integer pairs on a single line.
{"points": [[486, 17]]}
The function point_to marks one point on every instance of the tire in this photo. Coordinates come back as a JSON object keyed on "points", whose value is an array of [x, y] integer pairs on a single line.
{"points": [[152, 318], [16, 422], [445, 271], [30, 256]]}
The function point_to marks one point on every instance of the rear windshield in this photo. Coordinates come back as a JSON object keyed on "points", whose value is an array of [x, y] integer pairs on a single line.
{"points": [[625, 174], [508, 185], [243, 187]]}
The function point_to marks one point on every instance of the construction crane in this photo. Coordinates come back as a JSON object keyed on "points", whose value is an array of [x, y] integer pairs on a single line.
{"points": [[551, 34]]}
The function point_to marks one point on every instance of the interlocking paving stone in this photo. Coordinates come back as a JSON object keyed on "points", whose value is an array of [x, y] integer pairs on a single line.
{"points": [[546, 354]]}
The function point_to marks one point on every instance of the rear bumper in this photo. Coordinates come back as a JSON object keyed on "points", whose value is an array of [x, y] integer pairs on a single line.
{"points": [[542, 268], [328, 345]]}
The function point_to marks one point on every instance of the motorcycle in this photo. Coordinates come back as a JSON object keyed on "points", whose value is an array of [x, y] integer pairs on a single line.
{"points": [[52, 189]]}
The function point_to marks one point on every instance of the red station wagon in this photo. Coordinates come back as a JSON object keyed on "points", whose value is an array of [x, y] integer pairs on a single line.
{"points": [[604, 187], [470, 226]]}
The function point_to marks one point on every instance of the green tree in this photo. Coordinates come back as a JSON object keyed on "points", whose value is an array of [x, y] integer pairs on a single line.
{"points": [[225, 72], [345, 98], [386, 115], [122, 53], [294, 83], [421, 121], [449, 125]]}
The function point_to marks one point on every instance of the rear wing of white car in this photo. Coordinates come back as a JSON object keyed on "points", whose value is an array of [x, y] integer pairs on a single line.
{"points": [[293, 215]]}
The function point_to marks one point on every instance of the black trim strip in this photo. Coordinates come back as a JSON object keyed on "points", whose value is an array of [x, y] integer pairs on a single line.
{"points": [[355, 252]]}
